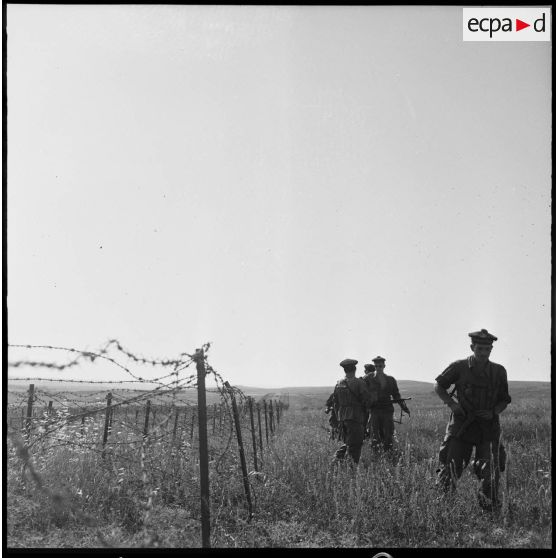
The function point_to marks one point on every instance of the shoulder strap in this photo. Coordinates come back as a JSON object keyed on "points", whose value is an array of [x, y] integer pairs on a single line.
{"points": [[358, 398], [352, 392]]}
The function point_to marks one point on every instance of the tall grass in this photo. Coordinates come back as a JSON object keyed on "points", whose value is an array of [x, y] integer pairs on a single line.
{"points": [[147, 493]]}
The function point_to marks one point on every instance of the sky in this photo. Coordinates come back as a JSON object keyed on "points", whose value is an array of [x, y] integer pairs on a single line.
{"points": [[295, 185]]}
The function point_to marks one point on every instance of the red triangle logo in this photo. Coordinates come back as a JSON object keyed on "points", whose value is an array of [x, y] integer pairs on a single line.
{"points": [[519, 25]]}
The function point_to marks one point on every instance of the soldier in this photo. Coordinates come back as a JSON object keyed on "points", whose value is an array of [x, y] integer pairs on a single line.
{"points": [[334, 432], [350, 396], [481, 388], [369, 370], [384, 389]]}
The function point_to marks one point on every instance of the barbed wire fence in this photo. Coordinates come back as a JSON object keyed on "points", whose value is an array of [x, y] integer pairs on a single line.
{"points": [[163, 423]]}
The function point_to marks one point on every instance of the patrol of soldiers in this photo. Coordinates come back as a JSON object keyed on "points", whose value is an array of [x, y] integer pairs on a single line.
{"points": [[365, 405]]}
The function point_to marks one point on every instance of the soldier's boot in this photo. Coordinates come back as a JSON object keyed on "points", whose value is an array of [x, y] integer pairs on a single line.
{"points": [[341, 453], [446, 481], [488, 504]]}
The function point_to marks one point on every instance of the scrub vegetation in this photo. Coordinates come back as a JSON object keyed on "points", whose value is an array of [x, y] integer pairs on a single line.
{"points": [[64, 493]]}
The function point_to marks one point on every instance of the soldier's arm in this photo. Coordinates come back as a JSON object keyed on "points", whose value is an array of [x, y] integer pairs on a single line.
{"points": [[448, 377], [365, 394], [445, 397], [396, 395], [504, 398]]}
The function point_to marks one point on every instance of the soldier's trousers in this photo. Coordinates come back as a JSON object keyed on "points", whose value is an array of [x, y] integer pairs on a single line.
{"points": [[454, 458], [352, 433], [382, 428]]}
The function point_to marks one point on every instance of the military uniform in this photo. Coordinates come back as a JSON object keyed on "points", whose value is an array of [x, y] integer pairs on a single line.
{"points": [[369, 370], [350, 398], [384, 389], [478, 387]]}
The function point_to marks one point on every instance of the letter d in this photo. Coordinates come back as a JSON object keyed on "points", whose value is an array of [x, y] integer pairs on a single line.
{"points": [[541, 19]]}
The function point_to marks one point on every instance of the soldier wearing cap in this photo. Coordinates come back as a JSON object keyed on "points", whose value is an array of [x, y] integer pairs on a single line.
{"points": [[369, 370], [384, 389], [350, 397], [481, 389]]}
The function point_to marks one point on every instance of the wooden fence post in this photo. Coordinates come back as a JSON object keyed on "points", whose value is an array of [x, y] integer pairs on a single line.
{"points": [[49, 410], [254, 449], [214, 416], [192, 425], [30, 400], [271, 425], [260, 429], [110, 420], [241, 450], [146, 423], [107, 419], [175, 425], [204, 457], [265, 417]]}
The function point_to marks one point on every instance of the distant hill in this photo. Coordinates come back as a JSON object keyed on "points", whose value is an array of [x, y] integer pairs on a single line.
{"points": [[304, 397]]}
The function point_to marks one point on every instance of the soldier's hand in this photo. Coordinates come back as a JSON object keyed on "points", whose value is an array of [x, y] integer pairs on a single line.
{"points": [[487, 415], [457, 409]]}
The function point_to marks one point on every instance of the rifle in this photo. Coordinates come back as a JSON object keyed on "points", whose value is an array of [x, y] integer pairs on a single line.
{"points": [[333, 420], [470, 416], [400, 400], [400, 421], [397, 400]]}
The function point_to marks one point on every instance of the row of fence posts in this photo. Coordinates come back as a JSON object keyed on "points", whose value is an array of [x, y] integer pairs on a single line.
{"points": [[271, 417]]}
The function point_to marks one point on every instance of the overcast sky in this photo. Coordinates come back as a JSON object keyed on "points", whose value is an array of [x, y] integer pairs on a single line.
{"points": [[296, 185]]}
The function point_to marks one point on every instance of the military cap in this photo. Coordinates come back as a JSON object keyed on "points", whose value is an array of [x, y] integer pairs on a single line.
{"points": [[348, 362], [379, 359], [369, 367], [482, 337]]}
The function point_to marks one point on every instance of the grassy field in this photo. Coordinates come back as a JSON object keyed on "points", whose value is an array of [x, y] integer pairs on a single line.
{"points": [[147, 495]]}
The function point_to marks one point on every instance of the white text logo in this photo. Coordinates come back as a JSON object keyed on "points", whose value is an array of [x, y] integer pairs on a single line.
{"points": [[506, 24]]}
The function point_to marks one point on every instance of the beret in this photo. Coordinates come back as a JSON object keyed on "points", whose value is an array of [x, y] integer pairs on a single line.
{"points": [[379, 359], [348, 362], [482, 337]]}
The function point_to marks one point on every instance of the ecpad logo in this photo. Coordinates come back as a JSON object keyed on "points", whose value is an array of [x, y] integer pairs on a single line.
{"points": [[506, 24]]}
